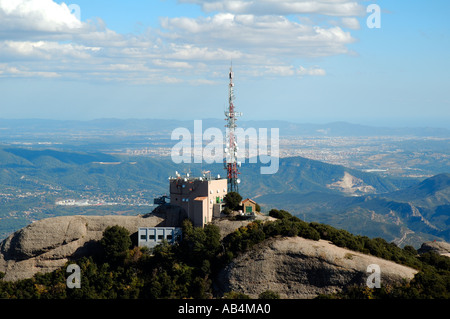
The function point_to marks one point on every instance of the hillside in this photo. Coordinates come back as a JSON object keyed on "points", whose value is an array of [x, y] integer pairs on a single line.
{"points": [[78, 171], [406, 211], [49, 244], [299, 268], [432, 191], [291, 266], [43, 126], [409, 216]]}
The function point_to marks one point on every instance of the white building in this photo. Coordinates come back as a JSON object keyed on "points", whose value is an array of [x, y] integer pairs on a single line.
{"points": [[152, 236], [201, 198]]}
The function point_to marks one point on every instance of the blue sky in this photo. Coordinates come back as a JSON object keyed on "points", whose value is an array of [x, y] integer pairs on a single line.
{"points": [[296, 60]]}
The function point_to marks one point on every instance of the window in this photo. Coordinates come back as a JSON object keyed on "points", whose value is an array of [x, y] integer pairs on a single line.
{"points": [[151, 237], [160, 237], [169, 237], [143, 237]]}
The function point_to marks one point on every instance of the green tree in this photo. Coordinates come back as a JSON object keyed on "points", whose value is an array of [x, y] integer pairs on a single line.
{"points": [[232, 200], [115, 243], [269, 294]]}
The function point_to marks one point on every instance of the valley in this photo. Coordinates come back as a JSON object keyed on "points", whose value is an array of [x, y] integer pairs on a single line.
{"points": [[379, 186]]}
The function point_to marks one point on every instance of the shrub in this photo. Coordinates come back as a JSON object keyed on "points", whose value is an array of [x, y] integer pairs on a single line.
{"points": [[232, 200], [115, 243], [269, 294]]}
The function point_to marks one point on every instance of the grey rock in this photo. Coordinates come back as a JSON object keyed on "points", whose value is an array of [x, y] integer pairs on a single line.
{"points": [[299, 268], [440, 247], [48, 244]]}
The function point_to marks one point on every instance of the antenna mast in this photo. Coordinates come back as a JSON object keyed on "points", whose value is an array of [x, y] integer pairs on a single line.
{"points": [[231, 164]]}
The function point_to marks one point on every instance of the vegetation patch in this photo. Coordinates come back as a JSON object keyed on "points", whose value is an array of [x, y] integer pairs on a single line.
{"points": [[187, 269]]}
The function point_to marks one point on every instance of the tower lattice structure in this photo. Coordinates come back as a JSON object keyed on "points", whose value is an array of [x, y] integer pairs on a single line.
{"points": [[231, 163]]}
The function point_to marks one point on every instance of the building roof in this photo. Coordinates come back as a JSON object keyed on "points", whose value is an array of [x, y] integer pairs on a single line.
{"points": [[248, 200], [200, 198]]}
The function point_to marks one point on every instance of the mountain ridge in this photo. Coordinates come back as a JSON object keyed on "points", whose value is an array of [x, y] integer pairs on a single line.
{"points": [[340, 196], [304, 268], [287, 128]]}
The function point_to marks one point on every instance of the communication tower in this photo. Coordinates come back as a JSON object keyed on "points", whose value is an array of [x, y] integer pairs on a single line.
{"points": [[231, 148]]}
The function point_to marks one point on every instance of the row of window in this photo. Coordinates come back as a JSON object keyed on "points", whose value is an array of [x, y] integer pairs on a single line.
{"points": [[152, 237], [218, 191], [218, 200]]}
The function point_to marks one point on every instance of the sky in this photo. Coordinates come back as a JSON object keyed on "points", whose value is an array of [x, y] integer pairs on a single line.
{"points": [[303, 61]]}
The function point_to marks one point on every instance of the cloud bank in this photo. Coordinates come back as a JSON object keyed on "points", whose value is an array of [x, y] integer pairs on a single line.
{"points": [[41, 38]]}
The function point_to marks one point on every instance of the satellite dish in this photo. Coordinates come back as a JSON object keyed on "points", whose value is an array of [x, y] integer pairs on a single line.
{"points": [[238, 181], [218, 176]]}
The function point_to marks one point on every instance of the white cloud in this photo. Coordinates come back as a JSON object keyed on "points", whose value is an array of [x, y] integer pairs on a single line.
{"points": [[44, 50], [347, 23], [43, 37], [172, 64], [15, 72], [274, 35], [36, 16], [311, 71], [280, 70], [282, 7]]}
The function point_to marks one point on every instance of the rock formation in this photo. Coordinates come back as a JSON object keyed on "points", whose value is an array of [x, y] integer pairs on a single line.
{"points": [[439, 247], [48, 244], [300, 268], [294, 267]]}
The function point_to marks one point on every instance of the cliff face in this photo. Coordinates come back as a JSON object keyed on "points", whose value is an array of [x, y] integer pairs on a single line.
{"points": [[294, 267], [48, 244], [439, 247], [299, 268]]}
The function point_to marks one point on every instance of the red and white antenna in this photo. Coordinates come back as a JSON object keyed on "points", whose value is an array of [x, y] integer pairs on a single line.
{"points": [[231, 148]]}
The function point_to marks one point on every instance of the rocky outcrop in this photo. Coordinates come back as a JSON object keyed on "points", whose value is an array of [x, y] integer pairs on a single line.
{"points": [[228, 226], [48, 244], [439, 247], [294, 267], [300, 268]]}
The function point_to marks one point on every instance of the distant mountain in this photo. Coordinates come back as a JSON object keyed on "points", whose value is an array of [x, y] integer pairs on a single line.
{"points": [[407, 211], [65, 157], [80, 171], [433, 191], [408, 217], [298, 175], [166, 125]]}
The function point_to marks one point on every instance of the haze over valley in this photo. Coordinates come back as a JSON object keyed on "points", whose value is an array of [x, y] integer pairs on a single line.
{"points": [[363, 179]]}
